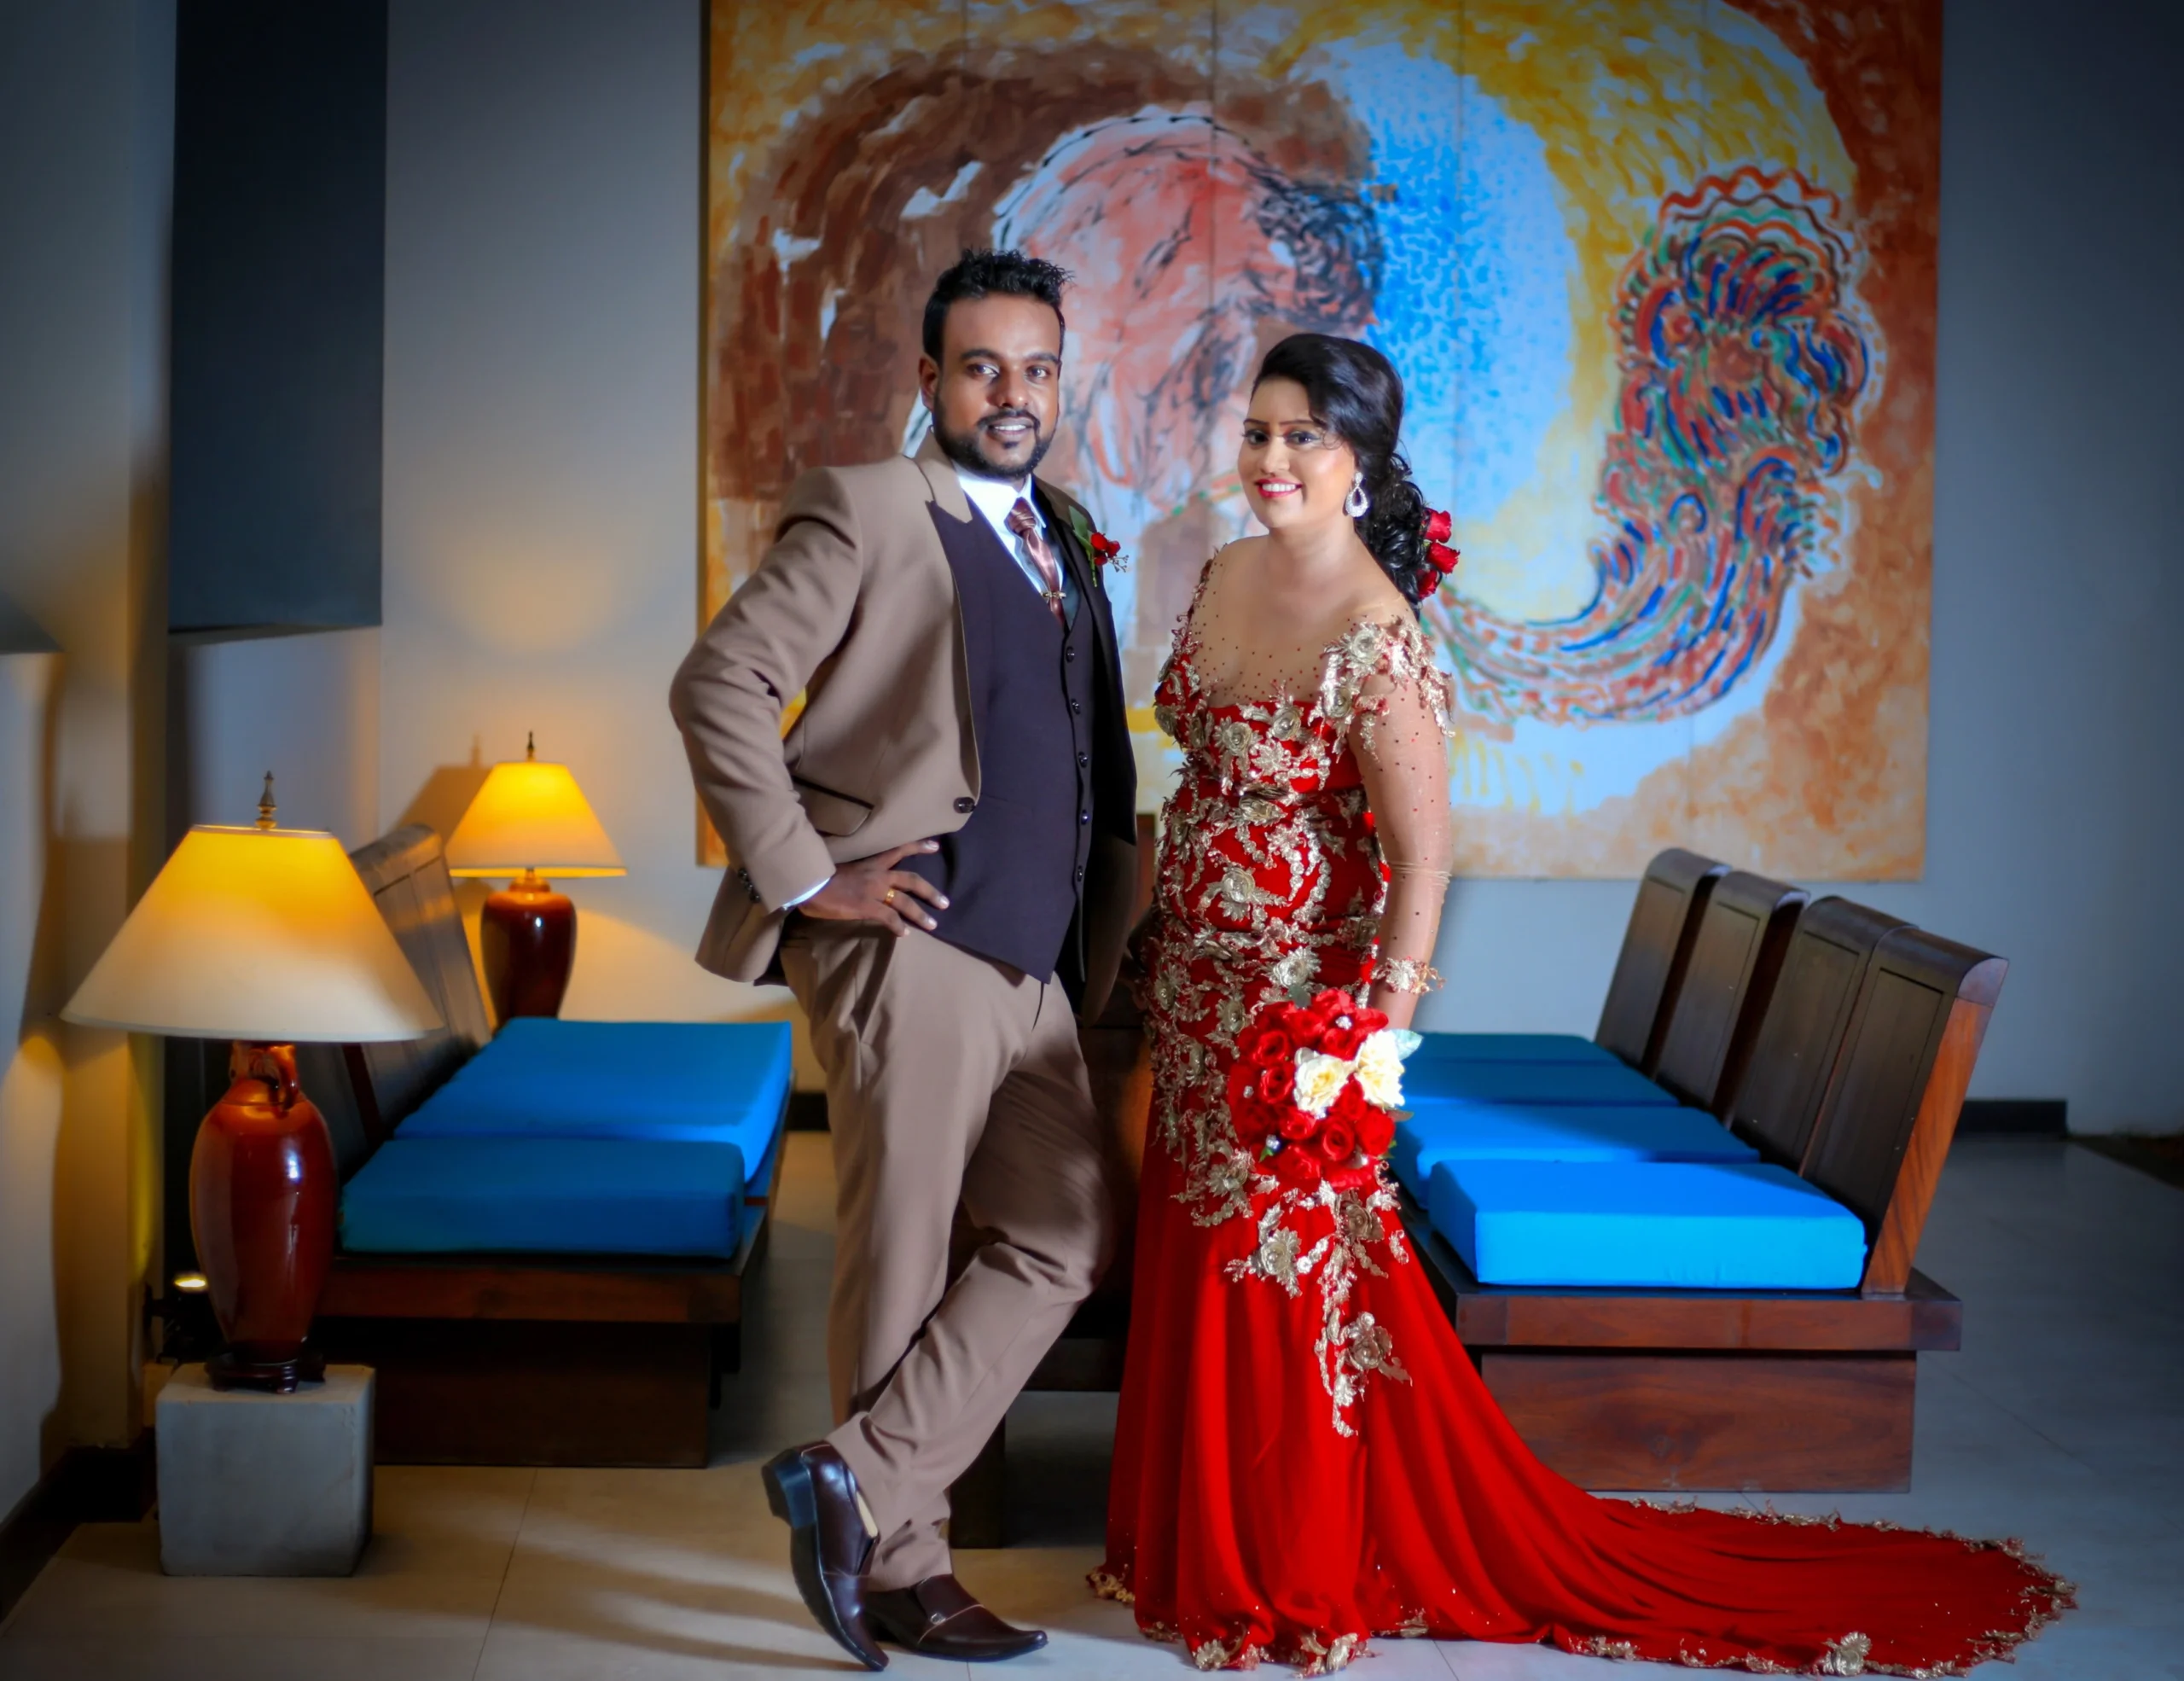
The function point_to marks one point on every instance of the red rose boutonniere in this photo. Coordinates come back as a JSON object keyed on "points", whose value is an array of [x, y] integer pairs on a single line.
{"points": [[1103, 549]]}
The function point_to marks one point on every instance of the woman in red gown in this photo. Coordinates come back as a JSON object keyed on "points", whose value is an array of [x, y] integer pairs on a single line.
{"points": [[1305, 1457]]}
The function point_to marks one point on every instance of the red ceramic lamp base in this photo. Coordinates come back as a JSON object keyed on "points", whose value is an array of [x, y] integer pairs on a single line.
{"points": [[262, 1193], [528, 935]]}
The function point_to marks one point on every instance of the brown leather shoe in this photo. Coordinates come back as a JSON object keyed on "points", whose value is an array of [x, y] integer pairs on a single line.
{"points": [[938, 1619], [813, 1492]]}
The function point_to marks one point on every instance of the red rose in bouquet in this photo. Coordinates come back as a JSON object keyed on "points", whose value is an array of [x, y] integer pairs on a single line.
{"points": [[1255, 1116], [1341, 1041], [1346, 1034], [1337, 1142], [1298, 1169]]}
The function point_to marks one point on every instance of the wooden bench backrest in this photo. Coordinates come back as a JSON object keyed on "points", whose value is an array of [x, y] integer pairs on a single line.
{"points": [[1657, 946], [1728, 980], [1892, 1098], [1775, 1103], [367, 1091]]}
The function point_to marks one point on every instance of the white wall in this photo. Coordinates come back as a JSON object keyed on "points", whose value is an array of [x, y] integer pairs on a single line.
{"points": [[542, 323], [85, 143], [542, 445], [304, 708]]}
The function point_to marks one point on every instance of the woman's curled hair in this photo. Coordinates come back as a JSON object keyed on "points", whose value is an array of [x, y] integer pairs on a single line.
{"points": [[1357, 393]]}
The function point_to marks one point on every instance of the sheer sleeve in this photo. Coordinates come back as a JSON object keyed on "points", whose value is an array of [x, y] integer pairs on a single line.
{"points": [[1400, 732]]}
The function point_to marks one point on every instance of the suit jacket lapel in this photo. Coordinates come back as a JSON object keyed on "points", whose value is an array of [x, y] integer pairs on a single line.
{"points": [[1065, 531], [1079, 563], [1088, 585], [940, 473]]}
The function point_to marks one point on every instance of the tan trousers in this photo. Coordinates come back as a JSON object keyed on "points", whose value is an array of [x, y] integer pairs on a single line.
{"points": [[947, 1077]]}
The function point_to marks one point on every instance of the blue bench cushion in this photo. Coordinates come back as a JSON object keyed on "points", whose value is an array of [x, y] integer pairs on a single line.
{"points": [[1511, 1048], [710, 1082], [1680, 1225], [609, 1196], [1489, 1132], [1611, 1084]]}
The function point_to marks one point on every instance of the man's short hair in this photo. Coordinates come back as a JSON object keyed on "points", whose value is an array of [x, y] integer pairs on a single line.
{"points": [[981, 274]]}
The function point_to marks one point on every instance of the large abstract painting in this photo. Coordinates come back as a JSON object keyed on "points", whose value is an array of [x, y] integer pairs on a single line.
{"points": [[1658, 275]]}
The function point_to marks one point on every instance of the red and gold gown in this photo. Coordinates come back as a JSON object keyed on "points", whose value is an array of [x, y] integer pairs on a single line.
{"points": [[1305, 1457]]}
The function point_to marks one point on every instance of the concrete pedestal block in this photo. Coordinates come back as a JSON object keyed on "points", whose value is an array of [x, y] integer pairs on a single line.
{"points": [[258, 1484]]}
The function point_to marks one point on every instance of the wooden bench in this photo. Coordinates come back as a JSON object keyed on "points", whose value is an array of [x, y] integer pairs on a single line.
{"points": [[1856, 1071], [505, 1359]]}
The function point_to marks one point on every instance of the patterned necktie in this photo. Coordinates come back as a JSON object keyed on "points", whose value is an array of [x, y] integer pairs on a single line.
{"points": [[1025, 524]]}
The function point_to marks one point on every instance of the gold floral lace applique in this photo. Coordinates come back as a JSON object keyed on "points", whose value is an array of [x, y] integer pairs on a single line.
{"points": [[1237, 1653], [1350, 1348], [1106, 1585], [1401, 654], [1314, 1657]]}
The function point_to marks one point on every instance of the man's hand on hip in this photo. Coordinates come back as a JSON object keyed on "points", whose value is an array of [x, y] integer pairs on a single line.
{"points": [[873, 890]]}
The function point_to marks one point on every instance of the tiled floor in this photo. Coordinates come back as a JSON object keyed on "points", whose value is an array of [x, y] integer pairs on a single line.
{"points": [[2059, 1422]]}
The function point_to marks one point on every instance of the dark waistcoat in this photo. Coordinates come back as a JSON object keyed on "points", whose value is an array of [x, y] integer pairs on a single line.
{"points": [[1014, 872]]}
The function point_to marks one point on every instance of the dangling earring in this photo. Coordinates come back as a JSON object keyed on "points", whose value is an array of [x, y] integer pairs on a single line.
{"points": [[1356, 501]]}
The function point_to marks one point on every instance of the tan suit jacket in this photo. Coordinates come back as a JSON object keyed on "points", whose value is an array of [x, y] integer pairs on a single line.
{"points": [[854, 607]]}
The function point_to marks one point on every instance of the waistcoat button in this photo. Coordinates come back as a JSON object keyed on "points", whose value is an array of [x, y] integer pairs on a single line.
{"points": [[964, 803]]}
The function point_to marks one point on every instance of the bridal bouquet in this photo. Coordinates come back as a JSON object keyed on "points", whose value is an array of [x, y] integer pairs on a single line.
{"points": [[1318, 1085]]}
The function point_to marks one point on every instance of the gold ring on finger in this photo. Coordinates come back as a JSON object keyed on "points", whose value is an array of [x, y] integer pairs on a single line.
{"points": [[887, 897]]}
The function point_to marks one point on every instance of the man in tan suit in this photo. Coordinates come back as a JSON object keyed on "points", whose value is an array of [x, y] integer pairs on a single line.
{"points": [[938, 858]]}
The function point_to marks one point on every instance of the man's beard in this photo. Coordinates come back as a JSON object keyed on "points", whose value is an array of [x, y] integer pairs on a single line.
{"points": [[963, 447]]}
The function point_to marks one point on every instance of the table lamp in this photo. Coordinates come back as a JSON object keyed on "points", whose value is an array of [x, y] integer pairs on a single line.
{"points": [[265, 936], [530, 817]]}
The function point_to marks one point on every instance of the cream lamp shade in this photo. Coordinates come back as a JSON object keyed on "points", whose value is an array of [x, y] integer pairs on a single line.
{"points": [[257, 933], [530, 816]]}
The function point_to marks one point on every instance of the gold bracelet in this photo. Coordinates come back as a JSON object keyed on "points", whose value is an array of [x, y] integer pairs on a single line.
{"points": [[1407, 974]]}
